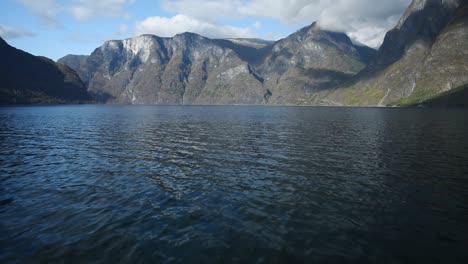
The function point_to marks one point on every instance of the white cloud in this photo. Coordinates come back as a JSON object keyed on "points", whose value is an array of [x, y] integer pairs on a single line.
{"points": [[257, 25], [122, 30], [206, 10], [89, 9], [168, 27], [47, 10], [295, 11], [366, 21], [8, 32], [285, 10], [82, 10]]}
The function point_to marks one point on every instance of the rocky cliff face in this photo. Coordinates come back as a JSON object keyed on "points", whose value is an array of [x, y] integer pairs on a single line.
{"points": [[185, 69], [74, 61], [309, 61], [425, 55], [28, 79], [420, 25], [191, 69]]}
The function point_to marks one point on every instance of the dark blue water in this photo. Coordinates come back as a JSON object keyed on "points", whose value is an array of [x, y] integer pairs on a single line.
{"points": [[222, 184]]}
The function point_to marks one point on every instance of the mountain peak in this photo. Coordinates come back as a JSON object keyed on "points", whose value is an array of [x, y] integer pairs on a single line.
{"points": [[187, 33], [189, 68], [26, 78], [421, 5], [3, 42], [421, 23], [314, 27], [188, 36]]}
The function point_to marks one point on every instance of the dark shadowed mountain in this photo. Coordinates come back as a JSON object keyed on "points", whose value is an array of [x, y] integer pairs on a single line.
{"points": [[191, 69], [28, 79], [424, 56]]}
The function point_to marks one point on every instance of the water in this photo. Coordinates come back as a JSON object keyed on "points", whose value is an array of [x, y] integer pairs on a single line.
{"points": [[233, 184]]}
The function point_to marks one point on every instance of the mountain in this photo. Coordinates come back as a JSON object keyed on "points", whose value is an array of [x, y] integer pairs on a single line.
{"points": [[308, 61], [422, 61], [73, 61], [251, 42], [457, 97], [191, 69], [28, 79], [187, 68], [423, 57]]}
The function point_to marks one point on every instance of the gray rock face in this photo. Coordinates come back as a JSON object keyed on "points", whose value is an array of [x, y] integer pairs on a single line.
{"points": [[421, 23], [251, 42], [314, 48], [191, 69], [73, 61], [309, 61], [423, 56], [26, 79]]}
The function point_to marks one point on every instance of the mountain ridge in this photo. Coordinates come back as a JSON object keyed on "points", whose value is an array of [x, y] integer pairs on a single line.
{"points": [[430, 58], [226, 72], [424, 57], [27, 79]]}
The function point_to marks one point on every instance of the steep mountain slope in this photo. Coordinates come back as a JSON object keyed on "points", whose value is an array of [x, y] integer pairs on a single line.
{"points": [[457, 97], [25, 79], [74, 61], [308, 61], [185, 69], [251, 42], [424, 55], [192, 69]]}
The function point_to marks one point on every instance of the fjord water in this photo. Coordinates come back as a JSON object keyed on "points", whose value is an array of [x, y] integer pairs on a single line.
{"points": [[222, 184]]}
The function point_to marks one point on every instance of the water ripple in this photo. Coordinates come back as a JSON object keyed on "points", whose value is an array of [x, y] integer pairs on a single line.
{"points": [[232, 184]]}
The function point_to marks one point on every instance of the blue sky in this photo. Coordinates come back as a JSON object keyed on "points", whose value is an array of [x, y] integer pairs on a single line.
{"points": [[54, 28]]}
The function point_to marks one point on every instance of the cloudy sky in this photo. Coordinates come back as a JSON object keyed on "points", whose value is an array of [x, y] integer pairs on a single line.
{"points": [[54, 28]]}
